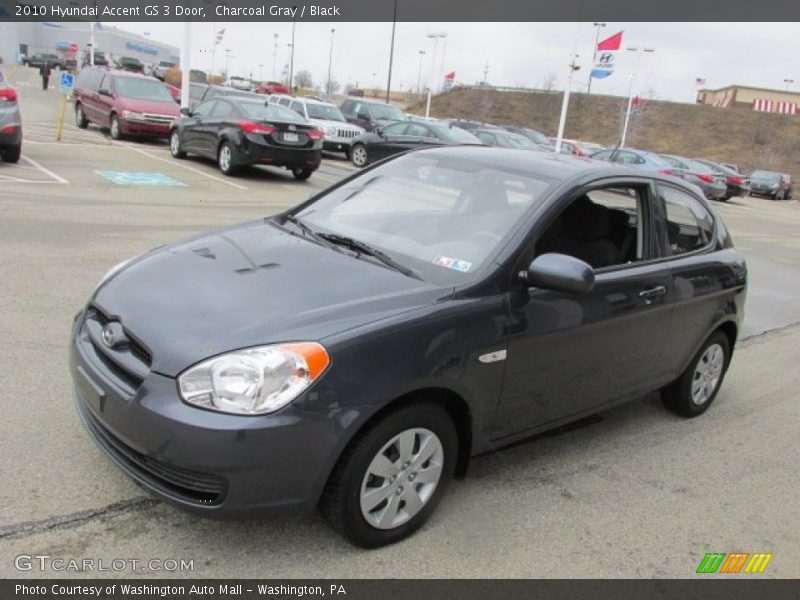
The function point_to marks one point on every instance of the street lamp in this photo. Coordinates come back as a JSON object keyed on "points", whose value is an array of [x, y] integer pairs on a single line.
{"points": [[562, 121], [261, 73], [419, 75], [373, 81], [291, 58], [275, 58], [435, 37], [639, 50], [598, 27], [330, 63], [228, 57]]}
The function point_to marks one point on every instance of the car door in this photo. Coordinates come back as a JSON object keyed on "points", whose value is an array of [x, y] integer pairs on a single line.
{"points": [[391, 140], [209, 129], [86, 92], [418, 135], [703, 284], [191, 139], [569, 354], [105, 101]]}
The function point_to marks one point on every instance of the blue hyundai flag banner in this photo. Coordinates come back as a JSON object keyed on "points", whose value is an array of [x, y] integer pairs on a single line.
{"points": [[606, 53]]}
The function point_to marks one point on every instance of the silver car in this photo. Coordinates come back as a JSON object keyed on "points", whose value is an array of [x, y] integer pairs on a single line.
{"points": [[713, 184], [10, 123]]}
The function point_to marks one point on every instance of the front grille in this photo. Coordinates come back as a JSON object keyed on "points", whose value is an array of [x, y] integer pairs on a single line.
{"points": [[161, 119], [348, 133], [125, 367], [188, 485]]}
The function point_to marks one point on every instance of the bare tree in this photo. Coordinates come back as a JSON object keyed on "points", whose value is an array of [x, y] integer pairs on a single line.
{"points": [[303, 79]]}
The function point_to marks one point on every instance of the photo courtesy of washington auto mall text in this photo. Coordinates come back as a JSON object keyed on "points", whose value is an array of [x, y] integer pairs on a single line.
{"points": [[399, 299]]}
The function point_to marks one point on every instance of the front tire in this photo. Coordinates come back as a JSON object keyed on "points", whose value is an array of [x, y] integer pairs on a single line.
{"points": [[693, 392], [390, 479], [80, 117], [358, 155], [175, 145], [116, 129]]}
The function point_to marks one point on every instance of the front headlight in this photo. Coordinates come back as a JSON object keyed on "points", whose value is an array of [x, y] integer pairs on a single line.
{"points": [[255, 381], [134, 116], [331, 130]]}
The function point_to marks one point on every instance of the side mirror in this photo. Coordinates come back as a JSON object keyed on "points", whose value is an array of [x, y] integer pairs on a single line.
{"points": [[186, 111], [379, 131], [560, 273]]}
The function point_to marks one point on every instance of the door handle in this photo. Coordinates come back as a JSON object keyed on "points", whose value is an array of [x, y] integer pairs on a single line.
{"points": [[652, 293]]}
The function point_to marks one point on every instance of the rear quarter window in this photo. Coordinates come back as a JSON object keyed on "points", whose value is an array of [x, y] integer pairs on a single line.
{"points": [[689, 226]]}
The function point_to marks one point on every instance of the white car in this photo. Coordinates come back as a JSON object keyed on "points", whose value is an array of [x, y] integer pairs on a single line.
{"points": [[239, 83], [339, 134]]}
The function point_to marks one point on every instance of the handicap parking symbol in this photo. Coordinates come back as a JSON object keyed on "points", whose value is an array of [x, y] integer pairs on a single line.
{"points": [[135, 178], [66, 83]]}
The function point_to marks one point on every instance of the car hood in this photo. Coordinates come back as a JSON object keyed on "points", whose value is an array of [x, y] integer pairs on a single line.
{"points": [[168, 107], [248, 285], [339, 124]]}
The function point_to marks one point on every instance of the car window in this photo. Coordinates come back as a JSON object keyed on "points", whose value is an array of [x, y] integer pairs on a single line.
{"points": [[486, 138], [105, 84], [418, 130], [205, 109], [261, 111], [284, 102], [628, 158], [222, 110], [689, 225], [141, 88], [328, 112], [196, 91], [441, 216], [347, 107], [602, 155], [603, 227], [394, 129], [298, 108]]}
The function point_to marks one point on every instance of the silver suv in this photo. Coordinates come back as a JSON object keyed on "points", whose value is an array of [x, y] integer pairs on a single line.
{"points": [[339, 134]]}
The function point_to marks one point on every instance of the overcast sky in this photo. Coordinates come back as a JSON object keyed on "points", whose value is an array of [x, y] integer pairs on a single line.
{"points": [[524, 54]]}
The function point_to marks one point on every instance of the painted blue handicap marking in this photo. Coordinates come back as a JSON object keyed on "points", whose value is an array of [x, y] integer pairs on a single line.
{"points": [[139, 178]]}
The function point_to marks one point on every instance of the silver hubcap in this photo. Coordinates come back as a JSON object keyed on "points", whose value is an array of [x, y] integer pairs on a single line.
{"points": [[225, 158], [174, 143], [114, 128], [359, 156], [401, 478], [707, 374], [79, 115]]}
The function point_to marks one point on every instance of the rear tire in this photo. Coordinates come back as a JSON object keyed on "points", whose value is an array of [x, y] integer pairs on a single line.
{"points": [[175, 144], [391, 477], [11, 154], [358, 155], [226, 159], [80, 117], [301, 174], [693, 392]]}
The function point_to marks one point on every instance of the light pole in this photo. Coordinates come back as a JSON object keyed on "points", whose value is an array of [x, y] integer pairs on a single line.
{"points": [[444, 57], [330, 63], [391, 54], [598, 27], [788, 82], [639, 50], [373, 82], [228, 57], [286, 72], [261, 73], [291, 58], [419, 75], [562, 121], [435, 37], [275, 58]]}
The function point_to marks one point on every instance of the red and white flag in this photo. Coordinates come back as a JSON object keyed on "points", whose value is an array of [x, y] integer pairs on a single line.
{"points": [[220, 35], [449, 80], [606, 52]]}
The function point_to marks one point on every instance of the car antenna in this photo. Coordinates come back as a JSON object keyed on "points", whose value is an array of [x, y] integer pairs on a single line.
{"points": [[614, 152]]}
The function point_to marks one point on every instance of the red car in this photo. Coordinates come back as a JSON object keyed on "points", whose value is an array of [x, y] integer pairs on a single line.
{"points": [[126, 103], [272, 87]]}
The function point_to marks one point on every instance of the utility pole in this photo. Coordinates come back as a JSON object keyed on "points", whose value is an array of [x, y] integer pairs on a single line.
{"points": [[391, 53], [598, 27], [291, 59], [639, 51], [419, 74], [562, 121], [186, 53], [275, 58], [485, 71], [435, 37], [330, 63]]}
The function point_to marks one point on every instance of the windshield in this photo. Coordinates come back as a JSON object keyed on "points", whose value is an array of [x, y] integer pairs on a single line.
{"points": [[698, 167], [139, 88], [260, 111], [765, 176], [441, 217], [457, 135], [387, 111], [518, 141], [327, 112], [537, 137]]}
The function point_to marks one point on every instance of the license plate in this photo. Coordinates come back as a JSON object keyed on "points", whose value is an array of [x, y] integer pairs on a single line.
{"points": [[290, 137]]}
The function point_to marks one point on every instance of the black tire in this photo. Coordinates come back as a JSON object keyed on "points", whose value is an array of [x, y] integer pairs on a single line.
{"points": [[115, 130], [80, 117], [301, 174], [778, 195], [341, 501], [175, 147], [228, 167], [678, 397], [359, 156], [11, 154]]}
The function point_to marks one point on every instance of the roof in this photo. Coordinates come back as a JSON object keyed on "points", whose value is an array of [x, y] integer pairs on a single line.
{"points": [[749, 87]]}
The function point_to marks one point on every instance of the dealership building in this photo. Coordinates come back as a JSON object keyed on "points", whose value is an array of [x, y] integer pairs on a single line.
{"points": [[753, 98], [24, 39]]}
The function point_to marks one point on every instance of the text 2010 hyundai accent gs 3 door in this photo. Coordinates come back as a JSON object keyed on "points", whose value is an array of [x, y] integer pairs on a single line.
{"points": [[356, 351]]}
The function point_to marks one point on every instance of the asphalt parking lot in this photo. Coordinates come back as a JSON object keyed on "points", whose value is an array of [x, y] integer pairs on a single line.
{"points": [[638, 492]]}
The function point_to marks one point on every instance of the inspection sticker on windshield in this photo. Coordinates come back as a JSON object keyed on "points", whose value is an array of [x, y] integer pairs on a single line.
{"points": [[452, 263]]}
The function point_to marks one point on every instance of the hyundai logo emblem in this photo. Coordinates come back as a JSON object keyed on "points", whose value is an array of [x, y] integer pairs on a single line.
{"points": [[113, 335]]}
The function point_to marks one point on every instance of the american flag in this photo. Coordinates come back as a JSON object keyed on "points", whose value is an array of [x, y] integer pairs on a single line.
{"points": [[699, 81]]}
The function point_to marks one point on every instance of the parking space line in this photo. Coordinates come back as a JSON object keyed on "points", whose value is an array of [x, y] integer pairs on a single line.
{"points": [[187, 167], [58, 178]]}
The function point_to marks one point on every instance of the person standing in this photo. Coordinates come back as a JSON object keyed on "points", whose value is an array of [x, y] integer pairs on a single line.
{"points": [[44, 71]]}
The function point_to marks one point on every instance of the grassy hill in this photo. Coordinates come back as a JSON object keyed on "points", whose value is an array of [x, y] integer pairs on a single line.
{"points": [[745, 137]]}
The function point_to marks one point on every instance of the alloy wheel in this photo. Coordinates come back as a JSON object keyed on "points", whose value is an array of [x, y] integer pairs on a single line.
{"points": [[225, 158], [707, 374], [359, 156], [175, 143], [401, 478]]}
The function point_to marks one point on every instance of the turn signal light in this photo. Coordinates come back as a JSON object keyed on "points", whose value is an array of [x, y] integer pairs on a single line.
{"points": [[706, 178], [250, 127], [315, 134], [736, 180]]}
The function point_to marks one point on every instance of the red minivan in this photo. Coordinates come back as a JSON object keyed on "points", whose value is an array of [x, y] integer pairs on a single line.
{"points": [[126, 103]]}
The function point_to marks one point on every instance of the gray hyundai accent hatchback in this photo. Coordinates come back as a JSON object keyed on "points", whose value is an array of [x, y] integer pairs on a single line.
{"points": [[355, 352]]}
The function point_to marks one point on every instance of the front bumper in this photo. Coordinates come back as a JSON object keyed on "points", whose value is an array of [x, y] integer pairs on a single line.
{"points": [[223, 466], [144, 128], [337, 146]]}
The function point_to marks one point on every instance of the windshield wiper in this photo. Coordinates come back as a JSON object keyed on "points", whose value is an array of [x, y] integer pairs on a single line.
{"points": [[362, 248]]}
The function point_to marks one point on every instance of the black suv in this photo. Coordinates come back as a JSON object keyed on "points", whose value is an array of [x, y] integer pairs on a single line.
{"points": [[370, 114]]}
